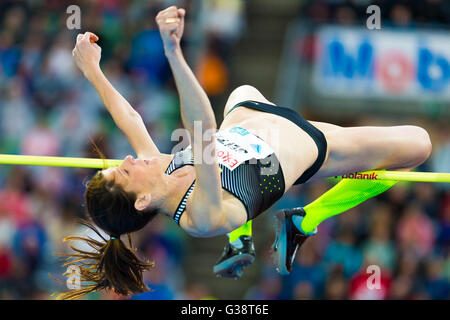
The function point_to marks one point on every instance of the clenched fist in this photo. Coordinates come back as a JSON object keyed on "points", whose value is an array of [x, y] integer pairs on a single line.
{"points": [[171, 25], [87, 53]]}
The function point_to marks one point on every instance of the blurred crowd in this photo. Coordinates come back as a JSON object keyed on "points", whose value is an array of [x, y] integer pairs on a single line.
{"points": [[394, 13], [48, 108]]}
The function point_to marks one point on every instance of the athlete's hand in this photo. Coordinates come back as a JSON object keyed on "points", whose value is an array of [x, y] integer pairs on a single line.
{"points": [[171, 25], [87, 53]]}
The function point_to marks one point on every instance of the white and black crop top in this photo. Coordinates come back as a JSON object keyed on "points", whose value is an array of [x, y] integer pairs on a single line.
{"points": [[249, 170]]}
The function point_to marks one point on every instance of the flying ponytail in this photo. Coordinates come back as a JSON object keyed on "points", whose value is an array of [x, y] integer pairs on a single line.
{"points": [[111, 266]]}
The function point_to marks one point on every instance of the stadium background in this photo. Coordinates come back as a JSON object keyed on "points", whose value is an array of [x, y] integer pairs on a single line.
{"points": [[48, 108]]}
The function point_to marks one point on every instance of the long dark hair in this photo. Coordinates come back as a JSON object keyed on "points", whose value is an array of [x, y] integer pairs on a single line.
{"points": [[112, 265]]}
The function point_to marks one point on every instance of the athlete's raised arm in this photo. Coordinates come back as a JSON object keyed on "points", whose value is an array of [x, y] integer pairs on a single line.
{"points": [[87, 57], [195, 105], [205, 212]]}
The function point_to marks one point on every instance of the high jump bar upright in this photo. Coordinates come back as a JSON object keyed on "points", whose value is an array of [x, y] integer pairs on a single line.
{"points": [[106, 163]]}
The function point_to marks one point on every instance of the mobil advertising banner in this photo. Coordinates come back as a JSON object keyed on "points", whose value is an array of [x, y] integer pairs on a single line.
{"points": [[389, 63]]}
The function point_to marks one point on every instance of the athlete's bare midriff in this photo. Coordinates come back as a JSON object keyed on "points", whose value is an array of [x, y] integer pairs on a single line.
{"points": [[294, 148]]}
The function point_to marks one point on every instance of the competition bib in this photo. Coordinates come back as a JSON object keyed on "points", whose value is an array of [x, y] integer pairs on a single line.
{"points": [[237, 145]]}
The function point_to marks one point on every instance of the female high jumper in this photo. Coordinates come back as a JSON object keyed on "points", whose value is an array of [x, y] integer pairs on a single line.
{"points": [[226, 177]]}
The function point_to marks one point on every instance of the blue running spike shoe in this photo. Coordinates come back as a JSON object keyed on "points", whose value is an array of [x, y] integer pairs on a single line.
{"points": [[288, 238], [234, 260]]}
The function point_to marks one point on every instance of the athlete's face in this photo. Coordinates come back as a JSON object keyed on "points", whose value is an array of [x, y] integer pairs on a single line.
{"points": [[137, 175]]}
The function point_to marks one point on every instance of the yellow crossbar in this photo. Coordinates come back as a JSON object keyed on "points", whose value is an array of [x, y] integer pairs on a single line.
{"points": [[100, 163]]}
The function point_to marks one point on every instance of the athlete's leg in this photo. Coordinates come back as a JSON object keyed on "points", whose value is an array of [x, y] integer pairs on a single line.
{"points": [[348, 193], [402, 147], [295, 225], [368, 148]]}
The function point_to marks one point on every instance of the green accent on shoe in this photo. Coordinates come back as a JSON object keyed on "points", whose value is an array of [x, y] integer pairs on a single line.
{"points": [[343, 196], [244, 230]]}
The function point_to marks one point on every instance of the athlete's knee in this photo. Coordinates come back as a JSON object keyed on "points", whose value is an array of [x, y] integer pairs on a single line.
{"points": [[425, 143], [235, 97], [422, 146], [247, 92], [242, 93], [245, 89]]}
